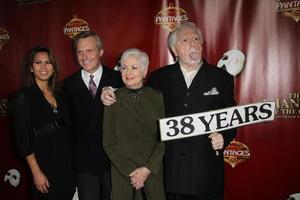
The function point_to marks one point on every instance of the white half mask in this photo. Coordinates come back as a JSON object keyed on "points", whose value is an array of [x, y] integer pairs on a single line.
{"points": [[232, 61], [294, 197], [13, 176], [117, 68]]}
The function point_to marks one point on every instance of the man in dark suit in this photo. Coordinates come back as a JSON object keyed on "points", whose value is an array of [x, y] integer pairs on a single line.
{"points": [[83, 91], [194, 167]]}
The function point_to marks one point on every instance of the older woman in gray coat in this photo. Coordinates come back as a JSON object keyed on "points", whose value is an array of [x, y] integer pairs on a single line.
{"points": [[130, 134]]}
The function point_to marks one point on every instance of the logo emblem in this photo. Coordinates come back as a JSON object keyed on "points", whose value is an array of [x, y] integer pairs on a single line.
{"points": [[170, 16], [75, 26], [4, 37], [236, 153], [289, 8], [289, 107], [6, 107]]}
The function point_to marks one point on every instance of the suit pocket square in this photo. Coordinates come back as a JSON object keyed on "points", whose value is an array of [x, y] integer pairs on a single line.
{"points": [[213, 91]]}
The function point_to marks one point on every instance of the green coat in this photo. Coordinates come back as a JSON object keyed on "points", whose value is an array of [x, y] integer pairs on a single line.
{"points": [[131, 140]]}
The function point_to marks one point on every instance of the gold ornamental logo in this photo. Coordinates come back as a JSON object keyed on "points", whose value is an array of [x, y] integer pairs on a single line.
{"points": [[4, 37], [170, 16], [75, 26], [236, 153], [289, 8]]}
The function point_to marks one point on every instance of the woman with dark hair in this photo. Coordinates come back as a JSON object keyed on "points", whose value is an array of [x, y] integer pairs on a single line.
{"points": [[43, 128]]}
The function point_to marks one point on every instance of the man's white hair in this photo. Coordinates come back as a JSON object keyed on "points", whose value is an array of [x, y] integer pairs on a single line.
{"points": [[172, 38]]}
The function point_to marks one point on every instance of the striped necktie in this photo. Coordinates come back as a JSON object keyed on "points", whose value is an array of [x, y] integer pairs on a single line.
{"points": [[92, 86]]}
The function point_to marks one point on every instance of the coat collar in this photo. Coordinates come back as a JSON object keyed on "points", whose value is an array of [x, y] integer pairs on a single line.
{"points": [[177, 76]]}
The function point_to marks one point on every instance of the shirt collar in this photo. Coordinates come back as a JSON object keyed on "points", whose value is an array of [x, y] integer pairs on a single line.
{"points": [[194, 71], [96, 74]]}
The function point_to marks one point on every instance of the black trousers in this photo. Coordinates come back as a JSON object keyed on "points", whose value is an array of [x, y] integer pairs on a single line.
{"points": [[91, 187], [171, 196]]}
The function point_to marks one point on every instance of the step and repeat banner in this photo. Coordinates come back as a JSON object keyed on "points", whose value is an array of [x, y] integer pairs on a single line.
{"points": [[256, 41]]}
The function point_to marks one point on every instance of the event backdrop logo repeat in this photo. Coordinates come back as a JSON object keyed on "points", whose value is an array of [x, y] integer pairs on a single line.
{"points": [[236, 153], [4, 37], [75, 26], [288, 108], [289, 8], [170, 16], [23, 2], [6, 107]]}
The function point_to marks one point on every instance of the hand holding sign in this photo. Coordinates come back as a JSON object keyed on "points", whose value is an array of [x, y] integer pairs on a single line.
{"points": [[217, 141]]}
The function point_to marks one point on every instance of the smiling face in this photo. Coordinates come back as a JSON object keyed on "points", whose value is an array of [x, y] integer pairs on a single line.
{"points": [[88, 55], [132, 72], [42, 67], [188, 48]]}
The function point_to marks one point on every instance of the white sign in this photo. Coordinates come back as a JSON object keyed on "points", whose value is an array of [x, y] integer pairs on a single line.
{"points": [[214, 121]]}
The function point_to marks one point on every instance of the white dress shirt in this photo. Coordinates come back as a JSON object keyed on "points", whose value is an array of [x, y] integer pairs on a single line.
{"points": [[97, 76], [190, 75]]}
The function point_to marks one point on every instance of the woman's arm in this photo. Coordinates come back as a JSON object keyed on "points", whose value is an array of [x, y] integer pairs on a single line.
{"points": [[39, 178]]}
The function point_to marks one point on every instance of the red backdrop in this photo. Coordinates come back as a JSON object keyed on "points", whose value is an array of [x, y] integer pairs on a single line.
{"points": [[268, 38]]}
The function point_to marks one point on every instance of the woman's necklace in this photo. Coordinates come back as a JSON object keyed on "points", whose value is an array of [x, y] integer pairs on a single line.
{"points": [[52, 101], [54, 109]]}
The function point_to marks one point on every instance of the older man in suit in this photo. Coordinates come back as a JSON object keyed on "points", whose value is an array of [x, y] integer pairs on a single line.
{"points": [[83, 91], [194, 167]]}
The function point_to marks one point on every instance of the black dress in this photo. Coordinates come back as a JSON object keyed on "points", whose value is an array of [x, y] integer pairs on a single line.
{"points": [[46, 132]]}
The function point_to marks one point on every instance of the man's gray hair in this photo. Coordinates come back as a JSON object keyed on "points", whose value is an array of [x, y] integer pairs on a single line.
{"points": [[172, 38], [140, 55], [85, 34]]}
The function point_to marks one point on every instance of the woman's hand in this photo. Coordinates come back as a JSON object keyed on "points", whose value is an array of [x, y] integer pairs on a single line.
{"points": [[139, 176], [41, 182], [39, 179]]}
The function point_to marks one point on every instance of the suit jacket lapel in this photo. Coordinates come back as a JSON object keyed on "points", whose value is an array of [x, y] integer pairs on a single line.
{"points": [[200, 78], [82, 87], [177, 76], [105, 80], [80, 83]]}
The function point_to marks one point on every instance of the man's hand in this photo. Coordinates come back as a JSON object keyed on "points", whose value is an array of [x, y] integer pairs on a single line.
{"points": [[108, 96], [217, 141]]}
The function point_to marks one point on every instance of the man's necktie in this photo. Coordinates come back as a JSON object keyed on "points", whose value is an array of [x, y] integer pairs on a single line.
{"points": [[92, 86]]}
